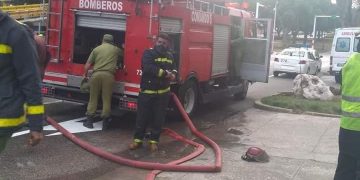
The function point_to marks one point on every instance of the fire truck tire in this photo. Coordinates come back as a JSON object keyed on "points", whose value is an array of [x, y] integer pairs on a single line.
{"points": [[242, 94], [188, 94]]}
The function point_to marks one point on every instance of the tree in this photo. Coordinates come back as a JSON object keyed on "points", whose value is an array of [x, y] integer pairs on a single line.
{"points": [[294, 16], [344, 9]]}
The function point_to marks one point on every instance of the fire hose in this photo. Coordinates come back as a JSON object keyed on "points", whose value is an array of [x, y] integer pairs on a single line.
{"points": [[172, 166]]}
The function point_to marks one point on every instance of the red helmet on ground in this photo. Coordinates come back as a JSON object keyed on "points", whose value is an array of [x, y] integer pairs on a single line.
{"points": [[255, 154]]}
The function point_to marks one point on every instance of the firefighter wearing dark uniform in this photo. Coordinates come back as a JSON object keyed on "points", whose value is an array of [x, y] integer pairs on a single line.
{"points": [[19, 82], [157, 72], [348, 167], [105, 59]]}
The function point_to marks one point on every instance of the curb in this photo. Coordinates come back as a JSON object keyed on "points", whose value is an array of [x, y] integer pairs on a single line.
{"points": [[258, 104]]}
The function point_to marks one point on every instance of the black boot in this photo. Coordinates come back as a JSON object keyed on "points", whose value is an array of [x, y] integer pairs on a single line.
{"points": [[89, 122], [106, 123]]}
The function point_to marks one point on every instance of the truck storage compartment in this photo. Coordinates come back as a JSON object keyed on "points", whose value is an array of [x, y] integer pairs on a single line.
{"points": [[90, 28]]}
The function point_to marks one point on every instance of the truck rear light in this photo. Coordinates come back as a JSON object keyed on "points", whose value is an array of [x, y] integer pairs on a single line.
{"points": [[302, 62], [47, 90], [131, 105], [276, 59], [44, 90]]}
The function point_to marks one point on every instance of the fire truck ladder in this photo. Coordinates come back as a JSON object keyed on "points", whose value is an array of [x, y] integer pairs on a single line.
{"points": [[55, 29], [203, 6]]}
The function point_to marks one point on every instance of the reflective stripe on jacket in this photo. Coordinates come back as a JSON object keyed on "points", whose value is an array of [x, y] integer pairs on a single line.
{"points": [[154, 66], [350, 103]]}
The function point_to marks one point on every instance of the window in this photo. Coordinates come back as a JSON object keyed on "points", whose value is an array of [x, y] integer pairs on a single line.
{"points": [[311, 56], [285, 53], [293, 53], [342, 45], [297, 53], [356, 42]]}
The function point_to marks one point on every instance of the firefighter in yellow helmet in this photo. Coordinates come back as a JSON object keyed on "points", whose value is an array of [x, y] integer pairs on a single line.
{"points": [[348, 167], [19, 82]]}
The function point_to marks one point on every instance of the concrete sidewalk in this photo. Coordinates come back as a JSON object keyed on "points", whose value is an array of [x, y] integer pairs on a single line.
{"points": [[300, 147]]}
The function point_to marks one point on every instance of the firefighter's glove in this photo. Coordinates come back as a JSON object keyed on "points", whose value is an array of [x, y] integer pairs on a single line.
{"points": [[35, 138]]}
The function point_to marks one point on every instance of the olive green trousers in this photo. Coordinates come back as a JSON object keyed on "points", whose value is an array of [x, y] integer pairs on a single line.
{"points": [[101, 83]]}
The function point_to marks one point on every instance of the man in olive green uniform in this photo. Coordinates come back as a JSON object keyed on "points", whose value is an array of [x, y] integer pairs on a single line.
{"points": [[348, 167], [104, 58]]}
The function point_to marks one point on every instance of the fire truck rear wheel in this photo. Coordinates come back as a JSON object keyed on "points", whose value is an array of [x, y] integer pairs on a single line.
{"points": [[188, 93]]}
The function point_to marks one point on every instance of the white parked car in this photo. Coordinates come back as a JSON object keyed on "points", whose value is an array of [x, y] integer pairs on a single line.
{"points": [[297, 61]]}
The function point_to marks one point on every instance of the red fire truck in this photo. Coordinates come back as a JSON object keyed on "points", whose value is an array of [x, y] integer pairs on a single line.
{"points": [[204, 35]]}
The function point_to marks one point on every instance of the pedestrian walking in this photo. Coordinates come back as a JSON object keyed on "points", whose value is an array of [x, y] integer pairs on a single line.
{"points": [[348, 167], [157, 71], [104, 59], [19, 82]]}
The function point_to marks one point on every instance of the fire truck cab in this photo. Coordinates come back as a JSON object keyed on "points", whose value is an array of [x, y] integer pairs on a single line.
{"points": [[218, 50]]}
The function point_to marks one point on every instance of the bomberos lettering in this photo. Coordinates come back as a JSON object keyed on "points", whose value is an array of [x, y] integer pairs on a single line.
{"points": [[101, 5]]}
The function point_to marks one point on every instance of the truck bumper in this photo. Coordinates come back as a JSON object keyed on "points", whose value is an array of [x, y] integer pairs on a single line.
{"points": [[75, 95]]}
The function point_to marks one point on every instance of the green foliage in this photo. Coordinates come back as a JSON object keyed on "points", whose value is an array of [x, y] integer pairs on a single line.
{"points": [[298, 15], [299, 104], [20, 2]]}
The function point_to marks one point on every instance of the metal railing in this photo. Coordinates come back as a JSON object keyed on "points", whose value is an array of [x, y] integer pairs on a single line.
{"points": [[26, 11]]}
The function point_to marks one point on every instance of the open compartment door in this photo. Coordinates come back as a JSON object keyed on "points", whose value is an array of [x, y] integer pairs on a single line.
{"points": [[256, 50]]}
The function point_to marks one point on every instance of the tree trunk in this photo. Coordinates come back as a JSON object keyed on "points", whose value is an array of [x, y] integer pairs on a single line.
{"points": [[278, 31], [305, 38], [285, 38], [294, 36], [344, 7]]}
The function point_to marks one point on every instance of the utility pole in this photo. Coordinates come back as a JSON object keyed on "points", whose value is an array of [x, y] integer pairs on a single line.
{"points": [[274, 28], [257, 9]]}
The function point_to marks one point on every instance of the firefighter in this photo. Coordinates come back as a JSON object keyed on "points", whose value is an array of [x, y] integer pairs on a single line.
{"points": [[19, 82], [157, 72], [348, 166], [104, 58]]}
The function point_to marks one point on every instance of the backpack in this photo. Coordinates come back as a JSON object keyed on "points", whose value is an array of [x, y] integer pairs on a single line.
{"points": [[43, 52]]}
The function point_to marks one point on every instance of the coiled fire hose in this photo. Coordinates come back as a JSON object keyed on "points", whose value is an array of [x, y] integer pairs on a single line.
{"points": [[172, 166]]}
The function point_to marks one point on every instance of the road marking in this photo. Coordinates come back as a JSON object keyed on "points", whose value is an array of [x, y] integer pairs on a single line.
{"points": [[53, 102], [73, 126]]}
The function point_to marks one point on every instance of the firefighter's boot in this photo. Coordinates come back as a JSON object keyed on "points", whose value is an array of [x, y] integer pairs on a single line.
{"points": [[136, 144], [153, 146], [106, 123], [89, 122]]}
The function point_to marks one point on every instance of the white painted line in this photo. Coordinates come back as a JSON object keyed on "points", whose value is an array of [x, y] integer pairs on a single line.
{"points": [[73, 126], [53, 102], [20, 133]]}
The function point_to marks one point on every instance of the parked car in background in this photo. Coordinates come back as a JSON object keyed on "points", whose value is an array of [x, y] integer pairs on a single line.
{"points": [[297, 61]]}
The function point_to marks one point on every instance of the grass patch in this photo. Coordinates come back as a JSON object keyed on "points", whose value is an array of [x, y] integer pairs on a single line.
{"points": [[300, 104]]}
